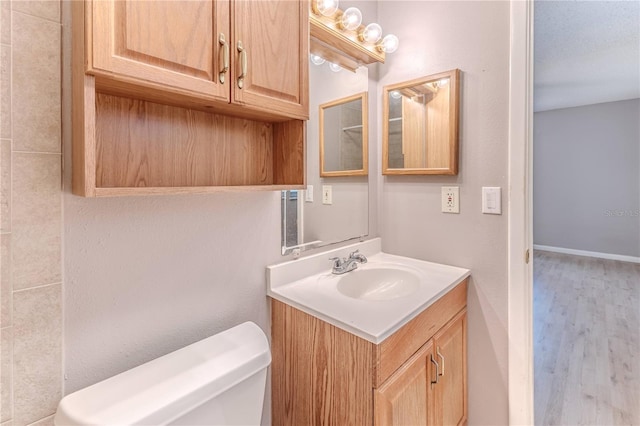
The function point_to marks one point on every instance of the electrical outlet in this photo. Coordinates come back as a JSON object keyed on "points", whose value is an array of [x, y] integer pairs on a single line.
{"points": [[451, 199], [308, 194], [327, 196]]}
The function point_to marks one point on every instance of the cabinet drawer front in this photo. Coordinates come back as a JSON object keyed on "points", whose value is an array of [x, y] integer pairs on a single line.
{"points": [[401, 345], [173, 43]]}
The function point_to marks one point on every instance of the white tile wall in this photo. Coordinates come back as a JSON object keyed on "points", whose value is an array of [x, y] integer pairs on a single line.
{"points": [[30, 213]]}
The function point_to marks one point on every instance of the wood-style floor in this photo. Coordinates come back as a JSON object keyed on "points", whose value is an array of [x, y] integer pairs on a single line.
{"points": [[586, 340]]}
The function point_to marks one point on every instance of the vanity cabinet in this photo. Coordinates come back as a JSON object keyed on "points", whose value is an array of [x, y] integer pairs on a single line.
{"points": [[430, 388], [188, 96], [323, 375]]}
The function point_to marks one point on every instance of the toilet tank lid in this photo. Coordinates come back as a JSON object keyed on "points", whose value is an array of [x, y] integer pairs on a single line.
{"points": [[169, 386]]}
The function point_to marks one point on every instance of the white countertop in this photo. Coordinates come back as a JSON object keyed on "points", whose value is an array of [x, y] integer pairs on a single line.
{"points": [[308, 284]]}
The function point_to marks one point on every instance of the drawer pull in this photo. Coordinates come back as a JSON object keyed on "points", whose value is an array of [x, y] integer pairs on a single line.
{"points": [[437, 373], [441, 359], [225, 57], [243, 64]]}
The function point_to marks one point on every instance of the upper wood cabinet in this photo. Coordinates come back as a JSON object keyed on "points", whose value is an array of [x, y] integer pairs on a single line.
{"points": [[170, 43], [274, 36], [188, 96], [224, 55]]}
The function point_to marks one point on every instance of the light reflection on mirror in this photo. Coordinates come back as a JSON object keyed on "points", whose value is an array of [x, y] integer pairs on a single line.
{"points": [[420, 126], [309, 224]]}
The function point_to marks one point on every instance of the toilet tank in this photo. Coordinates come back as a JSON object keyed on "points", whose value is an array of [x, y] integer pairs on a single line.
{"points": [[217, 381]]}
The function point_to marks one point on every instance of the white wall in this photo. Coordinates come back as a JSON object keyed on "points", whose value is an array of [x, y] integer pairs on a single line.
{"points": [[586, 188], [147, 275], [474, 37]]}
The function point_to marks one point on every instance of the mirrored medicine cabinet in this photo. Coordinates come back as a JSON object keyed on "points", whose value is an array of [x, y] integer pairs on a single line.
{"points": [[420, 126], [343, 126]]}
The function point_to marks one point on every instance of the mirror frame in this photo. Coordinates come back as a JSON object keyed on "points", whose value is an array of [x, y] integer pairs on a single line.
{"points": [[454, 106], [365, 135]]}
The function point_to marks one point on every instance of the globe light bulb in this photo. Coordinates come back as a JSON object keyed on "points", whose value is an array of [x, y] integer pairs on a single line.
{"points": [[317, 60], [389, 43], [326, 7], [335, 67], [351, 18], [395, 94], [371, 33]]}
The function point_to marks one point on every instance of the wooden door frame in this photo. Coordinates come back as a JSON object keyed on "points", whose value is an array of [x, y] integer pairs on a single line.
{"points": [[520, 236]]}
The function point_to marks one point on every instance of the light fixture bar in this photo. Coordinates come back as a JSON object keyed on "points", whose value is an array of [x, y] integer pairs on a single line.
{"points": [[340, 46]]}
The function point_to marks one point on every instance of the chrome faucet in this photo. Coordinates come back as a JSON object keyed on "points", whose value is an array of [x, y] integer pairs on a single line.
{"points": [[342, 266]]}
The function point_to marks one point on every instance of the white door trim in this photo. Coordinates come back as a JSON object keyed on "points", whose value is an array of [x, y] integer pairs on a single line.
{"points": [[520, 298]]}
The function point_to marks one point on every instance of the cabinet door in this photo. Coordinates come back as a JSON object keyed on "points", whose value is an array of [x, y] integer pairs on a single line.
{"points": [[169, 44], [405, 397], [450, 394], [273, 36]]}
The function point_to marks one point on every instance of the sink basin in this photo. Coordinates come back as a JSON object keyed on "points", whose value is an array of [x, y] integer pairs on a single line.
{"points": [[380, 283]]}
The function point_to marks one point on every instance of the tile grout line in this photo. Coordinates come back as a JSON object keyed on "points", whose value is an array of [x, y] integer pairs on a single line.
{"points": [[36, 152], [12, 11], [21, 290], [50, 416]]}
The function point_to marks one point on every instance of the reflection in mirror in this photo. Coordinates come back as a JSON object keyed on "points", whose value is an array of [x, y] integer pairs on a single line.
{"points": [[344, 136], [308, 224], [420, 126]]}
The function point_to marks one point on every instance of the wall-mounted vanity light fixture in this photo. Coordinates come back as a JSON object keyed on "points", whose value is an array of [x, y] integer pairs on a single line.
{"points": [[340, 37]]}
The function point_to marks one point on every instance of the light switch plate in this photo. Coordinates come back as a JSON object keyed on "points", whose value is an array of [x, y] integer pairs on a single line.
{"points": [[451, 199], [327, 196], [491, 200], [308, 194]]}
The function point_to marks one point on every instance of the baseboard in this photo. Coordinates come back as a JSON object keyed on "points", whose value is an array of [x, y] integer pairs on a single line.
{"points": [[610, 256]]}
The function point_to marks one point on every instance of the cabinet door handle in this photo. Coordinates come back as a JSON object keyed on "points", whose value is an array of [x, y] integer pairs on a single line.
{"points": [[441, 359], [225, 57], [437, 368], [243, 64]]}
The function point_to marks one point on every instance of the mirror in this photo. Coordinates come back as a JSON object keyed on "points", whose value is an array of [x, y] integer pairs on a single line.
{"points": [[344, 132], [420, 126], [311, 224]]}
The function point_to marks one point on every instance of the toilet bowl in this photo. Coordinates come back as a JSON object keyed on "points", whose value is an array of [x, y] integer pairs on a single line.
{"points": [[220, 380]]}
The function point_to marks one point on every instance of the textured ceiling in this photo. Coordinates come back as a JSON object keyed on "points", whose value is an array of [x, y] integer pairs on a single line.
{"points": [[586, 52]]}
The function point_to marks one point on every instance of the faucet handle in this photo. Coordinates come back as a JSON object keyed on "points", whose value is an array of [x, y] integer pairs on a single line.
{"points": [[337, 262], [360, 257]]}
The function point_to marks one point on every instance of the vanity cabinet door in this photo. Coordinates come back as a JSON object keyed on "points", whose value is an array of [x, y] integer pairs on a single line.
{"points": [[450, 394], [271, 50], [174, 44], [404, 398]]}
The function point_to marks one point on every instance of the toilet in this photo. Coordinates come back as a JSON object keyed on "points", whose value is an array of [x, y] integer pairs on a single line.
{"points": [[220, 380]]}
